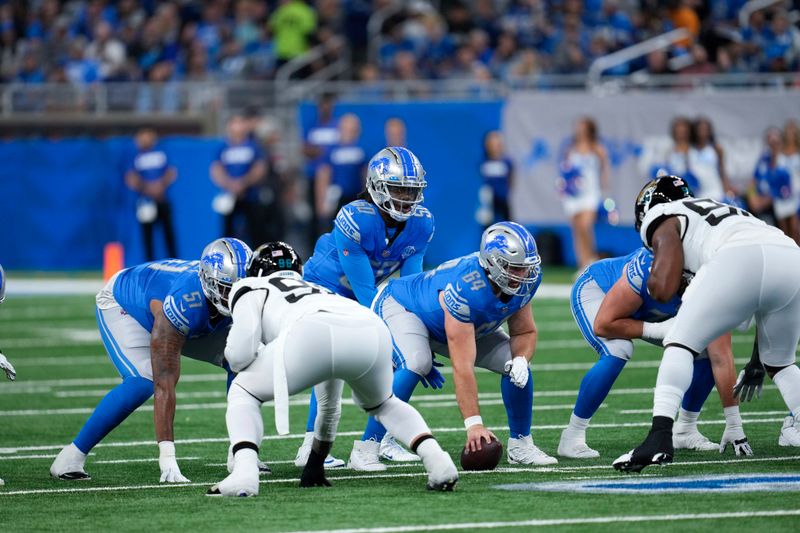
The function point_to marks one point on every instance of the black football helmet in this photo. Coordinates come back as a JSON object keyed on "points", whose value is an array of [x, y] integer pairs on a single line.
{"points": [[659, 191], [272, 257]]}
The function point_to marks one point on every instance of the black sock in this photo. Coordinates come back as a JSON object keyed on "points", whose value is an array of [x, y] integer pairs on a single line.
{"points": [[662, 423], [316, 459]]}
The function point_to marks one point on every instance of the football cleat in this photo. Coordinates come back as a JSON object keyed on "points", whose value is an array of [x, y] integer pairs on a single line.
{"points": [[263, 468], [790, 435], [693, 440], [391, 450], [68, 464], [304, 450], [236, 485], [442, 472], [656, 449], [523, 451], [365, 457], [573, 446]]}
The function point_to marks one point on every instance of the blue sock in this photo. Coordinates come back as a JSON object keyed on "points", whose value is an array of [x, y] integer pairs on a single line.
{"points": [[312, 413], [596, 384], [405, 381], [115, 407], [519, 406], [231, 376], [702, 383]]}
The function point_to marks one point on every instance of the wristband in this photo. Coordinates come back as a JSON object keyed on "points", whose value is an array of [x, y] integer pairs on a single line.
{"points": [[473, 421], [166, 448]]}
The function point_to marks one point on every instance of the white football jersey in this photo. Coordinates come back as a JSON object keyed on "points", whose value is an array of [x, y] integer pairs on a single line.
{"points": [[708, 226], [287, 298]]}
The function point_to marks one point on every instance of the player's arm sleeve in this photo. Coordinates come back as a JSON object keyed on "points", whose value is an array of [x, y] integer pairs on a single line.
{"points": [[356, 267], [637, 271], [244, 337]]}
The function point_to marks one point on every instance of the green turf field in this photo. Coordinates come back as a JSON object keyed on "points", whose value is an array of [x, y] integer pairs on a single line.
{"points": [[63, 372]]}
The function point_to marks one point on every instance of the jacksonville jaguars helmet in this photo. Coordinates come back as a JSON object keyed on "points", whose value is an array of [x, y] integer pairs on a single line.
{"points": [[396, 181], [223, 262], [659, 191], [2, 284], [509, 255], [272, 257]]}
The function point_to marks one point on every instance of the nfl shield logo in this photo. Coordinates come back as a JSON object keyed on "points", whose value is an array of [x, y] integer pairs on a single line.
{"points": [[385, 253]]}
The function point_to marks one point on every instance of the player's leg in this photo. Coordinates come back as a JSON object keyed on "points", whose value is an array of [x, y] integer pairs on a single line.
{"points": [[493, 350], [587, 296], [328, 396], [718, 299], [412, 359], [128, 346], [686, 435], [372, 390]]}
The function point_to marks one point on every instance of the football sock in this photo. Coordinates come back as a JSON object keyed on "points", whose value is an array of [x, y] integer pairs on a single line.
{"points": [[788, 383], [702, 383], [578, 425], [329, 409], [231, 375], [401, 420], [403, 385], [674, 378], [243, 417], [596, 384], [519, 406], [428, 449], [687, 421], [312, 412], [115, 407]]}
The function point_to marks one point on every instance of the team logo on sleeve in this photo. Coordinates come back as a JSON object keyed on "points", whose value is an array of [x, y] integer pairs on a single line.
{"points": [[408, 251]]}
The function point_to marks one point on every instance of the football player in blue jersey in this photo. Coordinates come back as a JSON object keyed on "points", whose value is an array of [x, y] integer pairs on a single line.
{"points": [[457, 310], [148, 316], [385, 230], [5, 364], [611, 305]]}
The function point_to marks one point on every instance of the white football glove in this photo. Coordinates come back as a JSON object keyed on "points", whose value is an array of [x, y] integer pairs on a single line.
{"points": [[735, 436], [7, 367], [517, 370], [170, 473]]}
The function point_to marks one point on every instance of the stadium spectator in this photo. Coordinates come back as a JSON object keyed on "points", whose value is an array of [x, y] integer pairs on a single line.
{"points": [[340, 175], [497, 172], [771, 190], [292, 24], [682, 14], [791, 153], [150, 175], [781, 44], [239, 170], [394, 132], [108, 51], [707, 161], [676, 159], [319, 138]]}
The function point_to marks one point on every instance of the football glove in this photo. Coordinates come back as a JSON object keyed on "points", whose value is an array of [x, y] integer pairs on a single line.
{"points": [[735, 436], [517, 370], [434, 378], [749, 383], [7, 367], [170, 473]]}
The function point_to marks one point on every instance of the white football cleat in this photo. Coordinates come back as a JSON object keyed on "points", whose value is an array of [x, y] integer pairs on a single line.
{"points": [[263, 468], [573, 446], [442, 472], [238, 485], [523, 451], [693, 440], [391, 450], [2, 482], [69, 463], [304, 451], [790, 436], [365, 457]]}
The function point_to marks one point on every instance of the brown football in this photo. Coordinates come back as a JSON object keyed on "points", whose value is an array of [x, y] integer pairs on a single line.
{"points": [[487, 458]]}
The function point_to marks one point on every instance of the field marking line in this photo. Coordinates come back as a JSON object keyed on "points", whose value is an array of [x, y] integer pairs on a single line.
{"points": [[548, 522]]}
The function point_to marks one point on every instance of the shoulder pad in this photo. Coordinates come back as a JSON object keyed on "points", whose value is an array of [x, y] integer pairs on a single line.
{"points": [[354, 218], [654, 217]]}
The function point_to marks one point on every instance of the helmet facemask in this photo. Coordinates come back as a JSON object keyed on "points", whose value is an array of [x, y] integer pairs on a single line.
{"points": [[398, 201], [513, 278], [217, 291]]}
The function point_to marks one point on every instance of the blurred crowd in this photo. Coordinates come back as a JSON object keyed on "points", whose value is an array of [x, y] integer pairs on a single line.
{"points": [[86, 41]]}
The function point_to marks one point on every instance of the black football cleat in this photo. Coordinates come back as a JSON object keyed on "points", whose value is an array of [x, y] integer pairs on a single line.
{"points": [[74, 476], [656, 449], [447, 486]]}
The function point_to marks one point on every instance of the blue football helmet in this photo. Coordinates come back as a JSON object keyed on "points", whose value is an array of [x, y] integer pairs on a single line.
{"points": [[223, 263], [396, 181], [509, 255]]}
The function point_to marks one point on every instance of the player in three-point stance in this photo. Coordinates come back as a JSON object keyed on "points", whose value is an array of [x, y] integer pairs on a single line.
{"points": [[743, 268], [385, 230], [148, 315], [289, 334], [457, 310], [611, 305]]}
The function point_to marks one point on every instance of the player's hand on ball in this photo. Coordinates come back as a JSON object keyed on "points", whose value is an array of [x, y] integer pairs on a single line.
{"points": [[736, 438], [517, 370], [7, 367], [170, 472], [749, 383], [475, 435]]}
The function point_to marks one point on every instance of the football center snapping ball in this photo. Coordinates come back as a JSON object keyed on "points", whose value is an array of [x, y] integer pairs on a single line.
{"points": [[487, 458]]}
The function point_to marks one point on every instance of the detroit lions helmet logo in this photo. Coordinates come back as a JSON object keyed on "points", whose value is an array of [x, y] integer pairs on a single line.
{"points": [[499, 243], [380, 165], [215, 260]]}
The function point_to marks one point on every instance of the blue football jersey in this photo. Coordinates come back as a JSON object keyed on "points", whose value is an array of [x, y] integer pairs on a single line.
{"points": [[636, 268], [468, 297], [174, 282], [363, 225]]}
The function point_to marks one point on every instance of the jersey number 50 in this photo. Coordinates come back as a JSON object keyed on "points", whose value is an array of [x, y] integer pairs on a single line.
{"points": [[295, 289], [714, 212]]}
